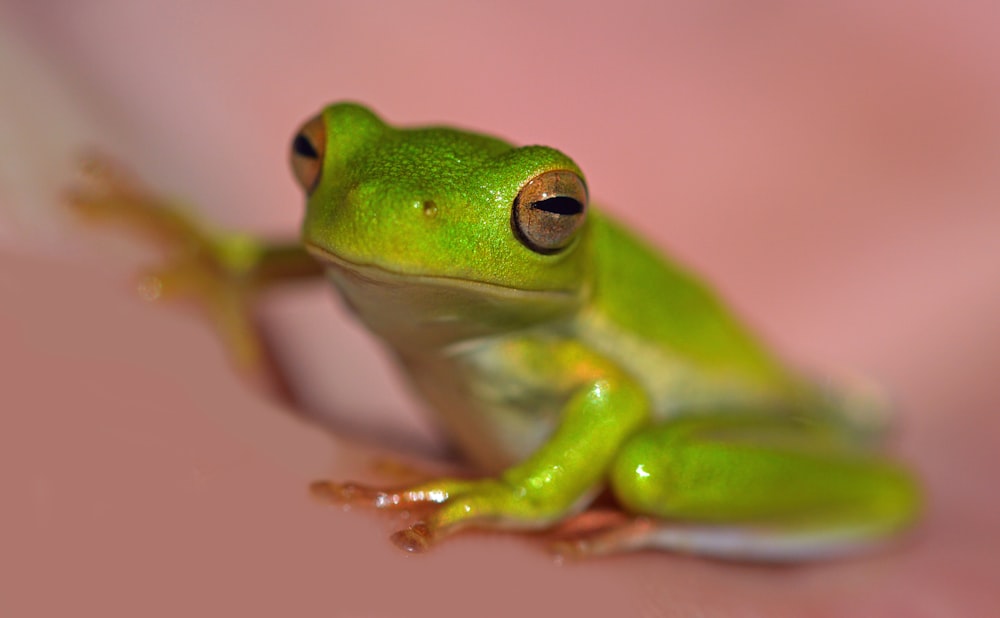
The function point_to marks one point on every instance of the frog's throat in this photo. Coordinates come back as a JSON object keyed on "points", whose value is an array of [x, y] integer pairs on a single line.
{"points": [[379, 275]]}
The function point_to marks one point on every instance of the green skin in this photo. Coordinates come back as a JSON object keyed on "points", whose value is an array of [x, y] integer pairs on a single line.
{"points": [[598, 366]]}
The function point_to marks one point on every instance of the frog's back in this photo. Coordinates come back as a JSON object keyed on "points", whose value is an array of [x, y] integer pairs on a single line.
{"points": [[666, 319]]}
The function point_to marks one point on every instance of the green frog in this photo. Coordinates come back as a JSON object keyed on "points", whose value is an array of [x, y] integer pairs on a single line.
{"points": [[564, 356]]}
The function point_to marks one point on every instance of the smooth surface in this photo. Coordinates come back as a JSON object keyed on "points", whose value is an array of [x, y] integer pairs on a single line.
{"points": [[833, 171]]}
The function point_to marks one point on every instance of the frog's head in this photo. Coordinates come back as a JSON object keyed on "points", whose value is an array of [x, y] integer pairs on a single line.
{"points": [[432, 226]]}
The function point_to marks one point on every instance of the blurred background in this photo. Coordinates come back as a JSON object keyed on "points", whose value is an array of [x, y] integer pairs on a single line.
{"points": [[830, 167]]}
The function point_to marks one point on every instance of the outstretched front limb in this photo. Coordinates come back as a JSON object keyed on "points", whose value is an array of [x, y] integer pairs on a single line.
{"points": [[222, 272]]}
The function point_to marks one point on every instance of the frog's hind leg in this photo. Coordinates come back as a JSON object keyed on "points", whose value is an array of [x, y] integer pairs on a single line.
{"points": [[752, 488]]}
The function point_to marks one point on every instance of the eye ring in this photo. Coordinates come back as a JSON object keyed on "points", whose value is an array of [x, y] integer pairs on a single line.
{"points": [[308, 149], [549, 210]]}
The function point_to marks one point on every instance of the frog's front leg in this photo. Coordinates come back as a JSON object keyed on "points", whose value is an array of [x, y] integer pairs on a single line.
{"points": [[603, 407], [222, 272]]}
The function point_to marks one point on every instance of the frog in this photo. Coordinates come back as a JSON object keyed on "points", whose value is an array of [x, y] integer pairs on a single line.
{"points": [[570, 362]]}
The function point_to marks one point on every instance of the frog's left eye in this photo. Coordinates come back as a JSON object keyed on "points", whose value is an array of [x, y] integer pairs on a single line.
{"points": [[308, 148], [549, 211]]}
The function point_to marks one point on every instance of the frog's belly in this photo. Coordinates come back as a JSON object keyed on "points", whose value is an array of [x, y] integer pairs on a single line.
{"points": [[495, 418]]}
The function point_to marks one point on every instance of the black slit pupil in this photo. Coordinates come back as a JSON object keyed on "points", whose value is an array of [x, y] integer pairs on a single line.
{"points": [[303, 147], [559, 205]]}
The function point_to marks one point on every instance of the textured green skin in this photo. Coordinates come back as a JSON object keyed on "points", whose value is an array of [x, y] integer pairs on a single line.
{"points": [[635, 373], [377, 178]]}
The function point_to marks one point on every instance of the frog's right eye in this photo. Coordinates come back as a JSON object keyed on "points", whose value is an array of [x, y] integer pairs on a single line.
{"points": [[308, 148]]}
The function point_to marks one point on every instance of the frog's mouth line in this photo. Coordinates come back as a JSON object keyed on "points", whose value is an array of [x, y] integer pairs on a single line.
{"points": [[378, 275]]}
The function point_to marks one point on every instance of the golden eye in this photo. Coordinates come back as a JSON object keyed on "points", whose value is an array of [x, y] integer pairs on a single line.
{"points": [[308, 148], [549, 210]]}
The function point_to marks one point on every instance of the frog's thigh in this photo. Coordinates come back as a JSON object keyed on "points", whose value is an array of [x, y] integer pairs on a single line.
{"points": [[755, 488]]}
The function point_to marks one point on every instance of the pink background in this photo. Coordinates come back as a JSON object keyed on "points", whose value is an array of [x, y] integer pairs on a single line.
{"points": [[831, 169]]}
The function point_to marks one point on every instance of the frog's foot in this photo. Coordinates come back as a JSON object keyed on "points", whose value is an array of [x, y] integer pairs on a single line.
{"points": [[596, 533], [600, 534], [742, 543], [448, 505], [210, 268], [110, 193]]}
